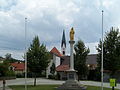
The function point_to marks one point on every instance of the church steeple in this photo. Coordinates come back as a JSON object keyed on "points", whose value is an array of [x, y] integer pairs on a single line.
{"points": [[63, 44]]}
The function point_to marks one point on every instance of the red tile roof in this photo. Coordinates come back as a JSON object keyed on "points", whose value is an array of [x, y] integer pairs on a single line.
{"points": [[62, 68], [56, 52], [19, 66]]}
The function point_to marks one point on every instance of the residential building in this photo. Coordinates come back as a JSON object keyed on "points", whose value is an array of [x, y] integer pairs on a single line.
{"points": [[17, 67], [2, 59]]}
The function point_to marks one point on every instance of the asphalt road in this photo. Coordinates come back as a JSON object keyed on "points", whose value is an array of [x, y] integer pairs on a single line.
{"points": [[21, 81]]}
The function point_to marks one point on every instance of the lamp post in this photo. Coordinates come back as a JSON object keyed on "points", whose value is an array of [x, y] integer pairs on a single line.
{"points": [[102, 56], [25, 53]]}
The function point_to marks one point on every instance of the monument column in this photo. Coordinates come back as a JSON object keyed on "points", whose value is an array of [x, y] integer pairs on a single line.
{"points": [[71, 55], [71, 83]]}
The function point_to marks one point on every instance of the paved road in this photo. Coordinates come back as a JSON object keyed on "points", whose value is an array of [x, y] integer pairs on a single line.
{"points": [[21, 81]]}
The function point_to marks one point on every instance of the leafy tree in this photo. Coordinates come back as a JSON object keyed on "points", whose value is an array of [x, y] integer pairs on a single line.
{"points": [[37, 58], [111, 51], [8, 56], [81, 53], [5, 71]]}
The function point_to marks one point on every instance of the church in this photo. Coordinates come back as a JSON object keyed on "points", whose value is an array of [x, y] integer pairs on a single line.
{"points": [[62, 61]]}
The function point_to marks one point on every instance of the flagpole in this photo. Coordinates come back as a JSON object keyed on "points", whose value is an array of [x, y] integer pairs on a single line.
{"points": [[102, 56], [25, 53]]}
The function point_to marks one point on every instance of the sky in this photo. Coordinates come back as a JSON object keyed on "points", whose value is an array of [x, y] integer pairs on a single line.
{"points": [[48, 18]]}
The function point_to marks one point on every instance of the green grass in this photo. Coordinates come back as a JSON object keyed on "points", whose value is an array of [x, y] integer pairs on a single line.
{"points": [[50, 87]]}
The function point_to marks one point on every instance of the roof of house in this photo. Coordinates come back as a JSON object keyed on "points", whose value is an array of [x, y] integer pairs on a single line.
{"points": [[56, 52], [62, 68], [18, 66], [91, 59]]}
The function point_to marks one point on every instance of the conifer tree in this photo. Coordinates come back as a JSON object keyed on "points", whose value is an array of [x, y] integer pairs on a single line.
{"points": [[81, 53], [111, 51], [37, 58]]}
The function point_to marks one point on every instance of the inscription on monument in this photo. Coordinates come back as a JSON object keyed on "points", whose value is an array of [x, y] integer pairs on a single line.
{"points": [[71, 76]]}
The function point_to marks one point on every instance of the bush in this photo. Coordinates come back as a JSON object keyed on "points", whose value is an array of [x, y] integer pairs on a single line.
{"points": [[51, 76], [57, 76], [10, 73], [19, 75]]}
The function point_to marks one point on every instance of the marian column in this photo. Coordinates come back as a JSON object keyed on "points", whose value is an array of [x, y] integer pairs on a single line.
{"points": [[71, 83], [71, 73], [71, 49]]}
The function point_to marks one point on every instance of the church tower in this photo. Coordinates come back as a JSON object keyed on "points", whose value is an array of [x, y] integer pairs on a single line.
{"points": [[63, 43]]}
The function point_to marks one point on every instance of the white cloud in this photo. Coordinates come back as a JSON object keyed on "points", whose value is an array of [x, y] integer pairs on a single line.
{"points": [[16, 54], [47, 19], [108, 4], [92, 47]]}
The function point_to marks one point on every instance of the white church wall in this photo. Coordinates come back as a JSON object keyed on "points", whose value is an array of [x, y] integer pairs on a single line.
{"points": [[48, 68], [57, 61]]}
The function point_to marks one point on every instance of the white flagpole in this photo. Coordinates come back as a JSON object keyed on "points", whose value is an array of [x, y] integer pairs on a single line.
{"points": [[25, 53], [102, 56]]}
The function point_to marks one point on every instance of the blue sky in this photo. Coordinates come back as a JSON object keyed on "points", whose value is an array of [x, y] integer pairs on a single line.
{"points": [[48, 18]]}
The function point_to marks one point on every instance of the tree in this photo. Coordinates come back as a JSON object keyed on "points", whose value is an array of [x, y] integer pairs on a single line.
{"points": [[111, 51], [81, 53], [52, 69], [8, 56], [5, 71], [37, 58], [10, 59]]}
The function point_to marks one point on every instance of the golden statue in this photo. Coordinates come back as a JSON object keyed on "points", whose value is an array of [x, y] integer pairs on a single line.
{"points": [[72, 34]]}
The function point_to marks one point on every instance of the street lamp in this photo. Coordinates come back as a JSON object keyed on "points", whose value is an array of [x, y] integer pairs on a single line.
{"points": [[25, 53], [102, 56]]}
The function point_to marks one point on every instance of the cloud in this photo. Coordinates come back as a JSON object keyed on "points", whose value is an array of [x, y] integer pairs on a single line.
{"points": [[92, 47], [48, 18]]}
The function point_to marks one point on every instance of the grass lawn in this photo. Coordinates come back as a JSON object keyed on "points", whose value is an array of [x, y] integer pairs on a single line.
{"points": [[50, 87]]}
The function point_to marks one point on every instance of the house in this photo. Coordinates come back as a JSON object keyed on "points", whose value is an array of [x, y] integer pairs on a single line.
{"points": [[17, 67], [2, 59], [91, 61]]}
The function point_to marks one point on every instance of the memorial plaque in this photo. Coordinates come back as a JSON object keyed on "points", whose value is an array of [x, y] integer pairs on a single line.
{"points": [[71, 76]]}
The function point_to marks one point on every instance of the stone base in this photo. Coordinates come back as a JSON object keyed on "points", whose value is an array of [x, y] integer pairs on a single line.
{"points": [[71, 75], [71, 85]]}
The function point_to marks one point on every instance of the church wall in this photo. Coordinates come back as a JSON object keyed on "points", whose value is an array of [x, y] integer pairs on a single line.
{"points": [[57, 61]]}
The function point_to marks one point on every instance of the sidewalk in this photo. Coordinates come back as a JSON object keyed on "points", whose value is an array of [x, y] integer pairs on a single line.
{"points": [[94, 83]]}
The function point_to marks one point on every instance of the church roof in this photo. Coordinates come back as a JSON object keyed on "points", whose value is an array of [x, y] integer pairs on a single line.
{"points": [[56, 52], [65, 64], [62, 68], [63, 39]]}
